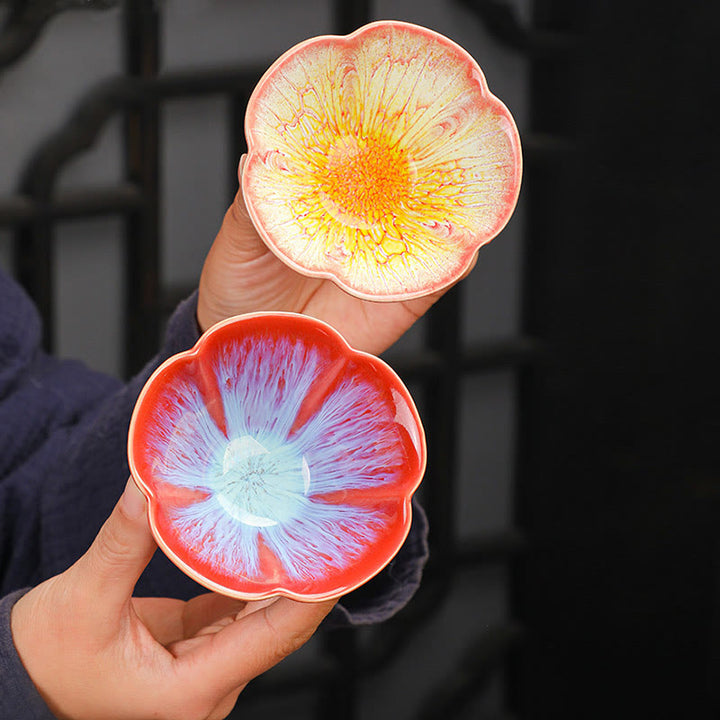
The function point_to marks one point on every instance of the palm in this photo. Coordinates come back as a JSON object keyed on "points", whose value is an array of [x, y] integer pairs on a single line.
{"points": [[241, 275], [179, 625], [93, 651], [173, 638]]}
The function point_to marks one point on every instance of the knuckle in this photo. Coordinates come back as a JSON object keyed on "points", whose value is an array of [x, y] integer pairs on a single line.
{"points": [[286, 642], [111, 547]]}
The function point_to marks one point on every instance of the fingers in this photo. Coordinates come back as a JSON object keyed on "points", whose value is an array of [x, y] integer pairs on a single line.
{"points": [[161, 616], [225, 707], [111, 567], [254, 643], [204, 610]]}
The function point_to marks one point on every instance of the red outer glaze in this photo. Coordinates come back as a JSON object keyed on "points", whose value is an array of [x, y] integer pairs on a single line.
{"points": [[190, 364]]}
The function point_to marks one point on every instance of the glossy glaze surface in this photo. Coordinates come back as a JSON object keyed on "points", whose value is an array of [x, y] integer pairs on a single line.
{"points": [[380, 160], [276, 459]]}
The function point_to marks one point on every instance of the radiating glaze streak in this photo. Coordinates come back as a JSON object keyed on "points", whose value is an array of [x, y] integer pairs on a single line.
{"points": [[267, 483], [379, 159], [185, 438]]}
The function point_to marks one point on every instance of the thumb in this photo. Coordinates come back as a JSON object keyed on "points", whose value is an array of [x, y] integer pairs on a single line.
{"points": [[123, 547], [235, 267], [238, 230]]}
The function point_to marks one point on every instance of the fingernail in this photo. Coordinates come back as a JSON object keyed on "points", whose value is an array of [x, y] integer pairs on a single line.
{"points": [[133, 501], [241, 166]]}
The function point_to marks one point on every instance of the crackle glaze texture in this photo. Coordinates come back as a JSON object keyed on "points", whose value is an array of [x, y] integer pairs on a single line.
{"points": [[277, 460], [380, 160]]}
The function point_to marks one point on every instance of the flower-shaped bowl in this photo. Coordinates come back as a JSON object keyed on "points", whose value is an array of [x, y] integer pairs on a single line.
{"points": [[276, 459], [379, 160]]}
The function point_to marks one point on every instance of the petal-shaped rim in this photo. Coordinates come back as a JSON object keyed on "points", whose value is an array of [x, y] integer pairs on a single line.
{"points": [[395, 502], [505, 200]]}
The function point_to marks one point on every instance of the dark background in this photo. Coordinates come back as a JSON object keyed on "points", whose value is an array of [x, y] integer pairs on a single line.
{"points": [[591, 591], [621, 479]]}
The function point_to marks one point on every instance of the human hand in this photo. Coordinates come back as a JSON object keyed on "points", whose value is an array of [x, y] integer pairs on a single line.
{"points": [[242, 275], [94, 652]]}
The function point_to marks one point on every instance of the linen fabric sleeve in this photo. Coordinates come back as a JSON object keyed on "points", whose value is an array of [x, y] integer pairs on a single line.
{"points": [[18, 696], [63, 434]]}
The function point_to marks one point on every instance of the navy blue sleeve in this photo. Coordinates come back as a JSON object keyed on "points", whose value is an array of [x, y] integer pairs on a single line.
{"points": [[390, 590], [18, 697], [63, 457]]}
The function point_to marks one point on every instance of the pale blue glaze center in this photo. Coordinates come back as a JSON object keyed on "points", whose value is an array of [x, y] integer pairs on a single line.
{"points": [[259, 487], [268, 483]]}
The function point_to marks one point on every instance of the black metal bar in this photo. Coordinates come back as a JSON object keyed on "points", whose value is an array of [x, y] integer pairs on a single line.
{"points": [[442, 406], [478, 664], [120, 199], [33, 240], [500, 19], [16, 210], [339, 696], [481, 357], [85, 4], [142, 230], [26, 19], [21, 210], [501, 546], [110, 97], [236, 136], [32, 254], [22, 27], [547, 150], [349, 15]]}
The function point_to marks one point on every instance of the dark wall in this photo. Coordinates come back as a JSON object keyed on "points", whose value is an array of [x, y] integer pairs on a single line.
{"points": [[620, 487]]}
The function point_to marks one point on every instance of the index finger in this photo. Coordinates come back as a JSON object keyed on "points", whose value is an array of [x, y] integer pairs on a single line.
{"points": [[254, 643]]}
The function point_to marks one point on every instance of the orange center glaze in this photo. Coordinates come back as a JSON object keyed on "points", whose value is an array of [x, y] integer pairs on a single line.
{"points": [[385, 163], [365, 181]]}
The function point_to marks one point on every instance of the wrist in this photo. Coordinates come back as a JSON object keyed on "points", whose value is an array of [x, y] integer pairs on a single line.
{"points": [[29, 637]]}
